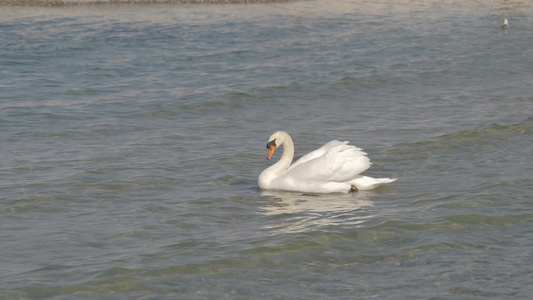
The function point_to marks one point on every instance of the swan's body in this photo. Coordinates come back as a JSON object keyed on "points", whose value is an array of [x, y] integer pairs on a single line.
{"points": [[334, 167]]}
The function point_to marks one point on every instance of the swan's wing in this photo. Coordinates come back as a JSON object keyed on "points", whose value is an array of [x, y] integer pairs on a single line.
{"points": [[340, 163], [317, 153]]}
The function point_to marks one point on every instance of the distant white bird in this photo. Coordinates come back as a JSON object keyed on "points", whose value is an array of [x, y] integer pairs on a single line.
{"points": [[505, 24]]}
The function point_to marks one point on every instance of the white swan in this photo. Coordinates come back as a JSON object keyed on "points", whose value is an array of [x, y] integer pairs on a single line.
{"points": [[334, 167]]}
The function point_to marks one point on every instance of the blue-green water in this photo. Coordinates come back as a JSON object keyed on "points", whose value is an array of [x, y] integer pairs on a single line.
{"points": [[132, 138]]}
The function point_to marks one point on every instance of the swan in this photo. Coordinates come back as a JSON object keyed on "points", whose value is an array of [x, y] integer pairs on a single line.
{"points": [[333, 168]]}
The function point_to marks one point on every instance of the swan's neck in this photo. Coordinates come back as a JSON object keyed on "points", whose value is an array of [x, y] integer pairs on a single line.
{"points": [[267, 177], [286, 158]]}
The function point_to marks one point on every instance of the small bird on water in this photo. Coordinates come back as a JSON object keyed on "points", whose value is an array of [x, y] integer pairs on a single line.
{"points": [[505, 24]]}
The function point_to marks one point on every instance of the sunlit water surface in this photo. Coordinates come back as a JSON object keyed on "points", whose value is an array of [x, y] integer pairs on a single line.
{"points": [[132, 138]]}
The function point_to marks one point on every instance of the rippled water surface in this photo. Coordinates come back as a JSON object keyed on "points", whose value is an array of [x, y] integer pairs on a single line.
{"points": [[132, 138]]}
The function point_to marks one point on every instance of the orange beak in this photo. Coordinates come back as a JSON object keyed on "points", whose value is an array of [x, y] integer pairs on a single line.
{"points": [[271, 150]]}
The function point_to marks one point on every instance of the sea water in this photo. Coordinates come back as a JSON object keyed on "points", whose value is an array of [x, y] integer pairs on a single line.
{"points": [[132, 137]]}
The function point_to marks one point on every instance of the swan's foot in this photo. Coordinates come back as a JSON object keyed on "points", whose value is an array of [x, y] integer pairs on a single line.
{"points": [[353, 188]]}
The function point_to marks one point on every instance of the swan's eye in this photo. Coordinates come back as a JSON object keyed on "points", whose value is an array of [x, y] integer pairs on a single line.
{"points": [[271, 143]]}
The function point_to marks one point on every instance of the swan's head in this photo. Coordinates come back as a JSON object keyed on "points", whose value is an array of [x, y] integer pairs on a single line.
{"points": [[271, 146], [275, 140]]}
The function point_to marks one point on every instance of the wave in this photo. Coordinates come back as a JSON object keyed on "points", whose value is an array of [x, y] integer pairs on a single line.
{"points": [[480, 136], [493, 130], [369, 82]]}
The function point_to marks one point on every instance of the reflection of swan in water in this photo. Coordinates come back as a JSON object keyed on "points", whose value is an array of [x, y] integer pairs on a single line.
{"points": [[299, 212]]}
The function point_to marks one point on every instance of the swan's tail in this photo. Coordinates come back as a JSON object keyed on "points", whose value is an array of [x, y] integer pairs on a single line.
{"points": [[365, 183]]}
